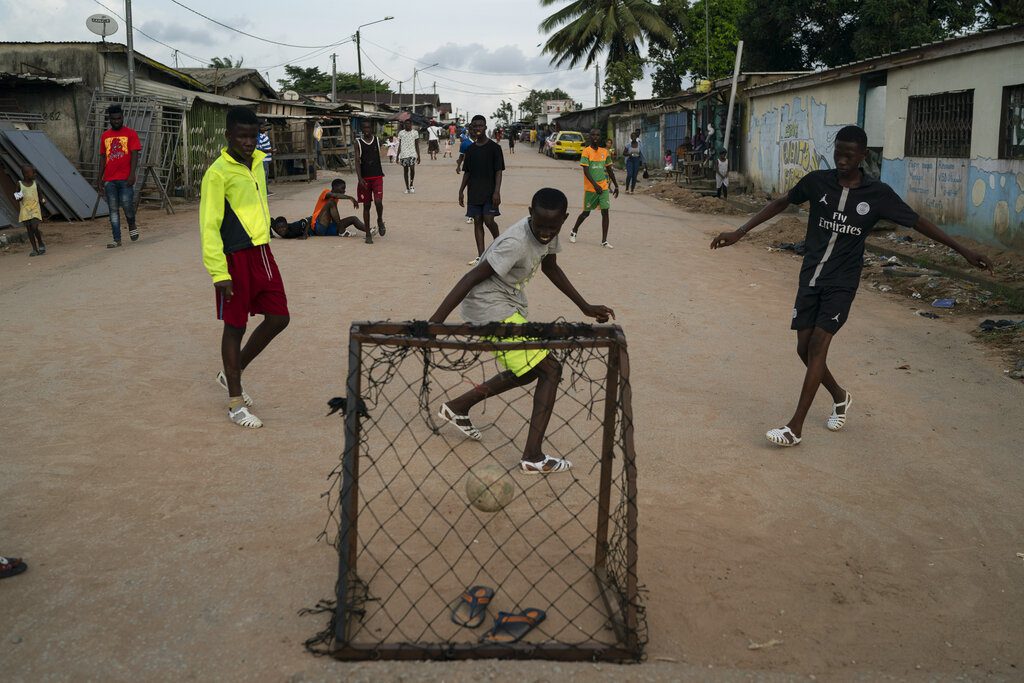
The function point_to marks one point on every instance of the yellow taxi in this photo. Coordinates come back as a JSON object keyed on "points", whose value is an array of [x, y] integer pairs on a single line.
{"points": [[568, 143]]}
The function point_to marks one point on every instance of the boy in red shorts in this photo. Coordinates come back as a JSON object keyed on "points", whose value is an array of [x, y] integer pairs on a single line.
{"points": [[370, 175], [234, 231]]}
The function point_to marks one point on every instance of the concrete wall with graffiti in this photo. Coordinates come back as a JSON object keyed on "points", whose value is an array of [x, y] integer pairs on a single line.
{"points": [[982, 196], [792, 133]]}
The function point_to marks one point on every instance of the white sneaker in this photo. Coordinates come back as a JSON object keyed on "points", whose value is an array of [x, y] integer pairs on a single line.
{"points": [[606, 245], [407, 190], [572, 237], [469, 220], [347, 233], [473, 262]]}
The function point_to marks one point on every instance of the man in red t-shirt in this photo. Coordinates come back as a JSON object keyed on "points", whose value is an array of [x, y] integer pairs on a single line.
{"points": [[119, 161]]}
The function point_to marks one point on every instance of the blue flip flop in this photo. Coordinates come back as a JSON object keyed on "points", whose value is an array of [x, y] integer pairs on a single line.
{"points": [[470, 609], [510, 628]]}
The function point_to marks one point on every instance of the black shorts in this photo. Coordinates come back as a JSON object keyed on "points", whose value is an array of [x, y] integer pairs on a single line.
{"points": [[824, 307], [432, 146]]}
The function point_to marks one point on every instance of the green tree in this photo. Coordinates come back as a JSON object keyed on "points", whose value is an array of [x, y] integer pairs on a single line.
{"points": [[1002, 12], [505, 113], [533, 102], [313, 80], [584, 29], [714, 58], [228, 62], [619, 78], [665, 56]]}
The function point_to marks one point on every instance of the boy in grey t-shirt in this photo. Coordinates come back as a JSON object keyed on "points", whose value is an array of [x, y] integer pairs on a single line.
{"points": [[493, 291]]}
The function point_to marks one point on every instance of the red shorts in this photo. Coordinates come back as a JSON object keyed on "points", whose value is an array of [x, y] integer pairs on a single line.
{"points": [[256, 284], [372, 189]]}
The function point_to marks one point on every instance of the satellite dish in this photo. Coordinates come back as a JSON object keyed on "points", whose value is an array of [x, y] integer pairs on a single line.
{"points": [[290, 95], [101, 25]]}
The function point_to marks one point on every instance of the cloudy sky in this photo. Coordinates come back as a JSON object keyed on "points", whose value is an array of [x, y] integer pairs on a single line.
{"points": [[484, 55]]}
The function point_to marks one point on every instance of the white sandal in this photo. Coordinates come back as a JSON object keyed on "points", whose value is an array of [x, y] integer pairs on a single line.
{"points": [[782, 436], [243, 418], [836, 421], [548, 465], [467, 427], [223, 381]]}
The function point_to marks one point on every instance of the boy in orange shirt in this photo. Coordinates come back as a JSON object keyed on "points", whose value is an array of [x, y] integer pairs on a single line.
{"points": [[597, 170], [328, 222]]}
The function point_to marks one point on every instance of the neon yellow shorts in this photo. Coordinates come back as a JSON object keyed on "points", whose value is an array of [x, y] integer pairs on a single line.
{"points": [[593, 200], [520, 361]]}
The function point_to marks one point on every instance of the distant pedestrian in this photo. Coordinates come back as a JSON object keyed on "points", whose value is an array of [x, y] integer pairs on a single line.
{"points": [[119, 163], [409, 154], [464, 144], [448, 144], [634, 157], [318, 134], [722, 176], [512, 142], [484, 165], [264, 145], [597, 170], [392, 148], [31, 212], [433, 140]]}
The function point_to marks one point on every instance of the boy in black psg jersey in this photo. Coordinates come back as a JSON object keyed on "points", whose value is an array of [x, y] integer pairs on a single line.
{"points": [[845, 204]]}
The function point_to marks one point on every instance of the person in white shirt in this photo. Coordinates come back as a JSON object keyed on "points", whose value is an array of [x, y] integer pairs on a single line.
{"points": [[433, 140], [722, 176]]}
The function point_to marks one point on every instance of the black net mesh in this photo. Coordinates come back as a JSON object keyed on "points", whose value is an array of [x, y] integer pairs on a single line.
{"points": [[409, 541]]}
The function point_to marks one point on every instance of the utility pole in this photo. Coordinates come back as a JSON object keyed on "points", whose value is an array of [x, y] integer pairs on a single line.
{"points": [[131, 46], [334, 78], [414, 91], [597, 80], [359, 60], [175, 59]]}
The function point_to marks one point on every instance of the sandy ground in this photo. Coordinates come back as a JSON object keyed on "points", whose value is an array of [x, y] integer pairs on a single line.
{"points": [[165, 543]]}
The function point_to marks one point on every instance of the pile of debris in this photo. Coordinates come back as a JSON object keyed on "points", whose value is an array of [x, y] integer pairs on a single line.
{"points": [[692, 200]]}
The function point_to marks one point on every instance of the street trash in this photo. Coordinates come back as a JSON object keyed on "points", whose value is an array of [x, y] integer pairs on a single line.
{"points": [[928, 314], [944, 303], [992, 325], [797, 248]]}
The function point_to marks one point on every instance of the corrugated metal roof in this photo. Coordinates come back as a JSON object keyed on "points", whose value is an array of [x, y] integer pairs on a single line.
{"points": [[32, 78], [225, 78], [169, 93]]}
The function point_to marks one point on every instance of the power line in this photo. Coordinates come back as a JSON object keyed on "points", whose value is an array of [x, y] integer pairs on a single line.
{"points": [[390, 78], [464, 71], [308, 55], [250, 35], [201, 60]]}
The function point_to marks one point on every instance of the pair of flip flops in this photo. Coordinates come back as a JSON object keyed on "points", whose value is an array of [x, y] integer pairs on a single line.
{"points": [[470, 610]]}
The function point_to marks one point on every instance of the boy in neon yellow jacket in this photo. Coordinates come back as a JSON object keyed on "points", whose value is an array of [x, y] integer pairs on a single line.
{"points": [[234, 230]]}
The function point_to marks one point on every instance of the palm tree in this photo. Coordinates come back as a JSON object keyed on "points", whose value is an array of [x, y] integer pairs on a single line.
{"points": [[585, 28], [228, 62]]}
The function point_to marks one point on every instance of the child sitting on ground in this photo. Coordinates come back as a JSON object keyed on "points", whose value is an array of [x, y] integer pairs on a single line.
{"points": [[31, 213], [328, 222]]}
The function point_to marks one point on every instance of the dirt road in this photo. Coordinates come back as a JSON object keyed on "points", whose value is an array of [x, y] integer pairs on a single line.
{"points": [[166, 543]]}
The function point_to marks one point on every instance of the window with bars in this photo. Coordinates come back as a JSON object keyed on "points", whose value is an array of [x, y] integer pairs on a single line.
{"points": [[940, 125], [1011, 130]]}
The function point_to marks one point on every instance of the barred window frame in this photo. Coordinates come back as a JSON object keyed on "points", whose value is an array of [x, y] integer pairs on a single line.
{"points": [[940, 124], [1011, 123]]}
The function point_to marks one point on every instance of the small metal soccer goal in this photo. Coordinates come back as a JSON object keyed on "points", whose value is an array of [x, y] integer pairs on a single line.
{"points": [[409, 542]]}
